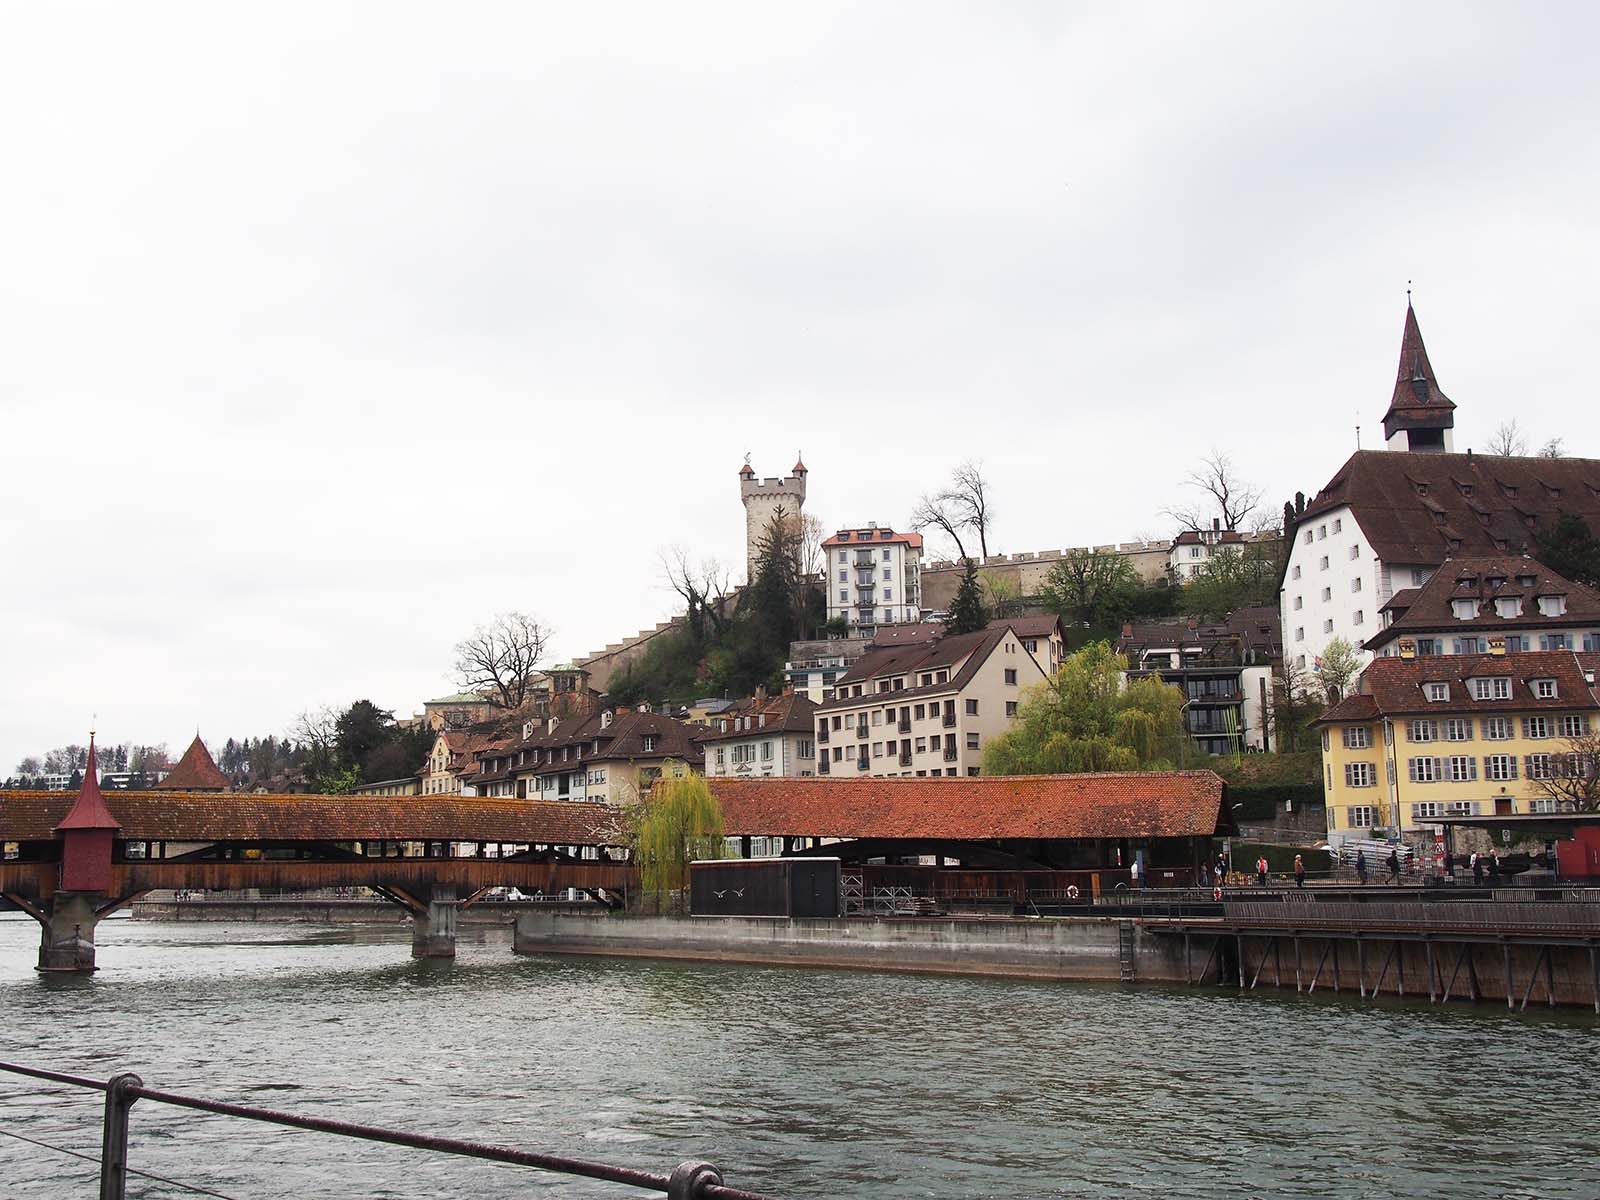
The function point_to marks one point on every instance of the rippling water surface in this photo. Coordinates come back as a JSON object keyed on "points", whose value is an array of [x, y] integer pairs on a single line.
{"points": [[800, 1083]]}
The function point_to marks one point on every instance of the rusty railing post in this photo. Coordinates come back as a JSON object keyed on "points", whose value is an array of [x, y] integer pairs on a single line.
{"points": [[689, 1178], [114, 1139]]}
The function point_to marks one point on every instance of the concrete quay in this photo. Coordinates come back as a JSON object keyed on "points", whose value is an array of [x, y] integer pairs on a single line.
{"points": [[311, 912]]}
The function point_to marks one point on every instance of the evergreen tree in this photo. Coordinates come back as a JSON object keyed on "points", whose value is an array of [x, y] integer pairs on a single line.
{"points": [[1568, 548], [967, 614]]}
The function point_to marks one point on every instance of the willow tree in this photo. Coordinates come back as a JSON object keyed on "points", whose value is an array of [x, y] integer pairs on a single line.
{"points": [[678, 822], [1084, 718]]}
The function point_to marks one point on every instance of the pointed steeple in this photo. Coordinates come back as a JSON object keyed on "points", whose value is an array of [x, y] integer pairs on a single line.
{"points": [[89, 810], [196, 772], [1418, 409]]}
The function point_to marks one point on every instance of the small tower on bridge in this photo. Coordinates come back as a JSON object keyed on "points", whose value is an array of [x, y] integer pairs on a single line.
{"points": [[763, 500], [86, 834]]}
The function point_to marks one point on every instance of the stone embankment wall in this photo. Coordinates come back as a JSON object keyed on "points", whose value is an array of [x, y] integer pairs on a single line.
{"points": [[1039, 949], [314, 912]]}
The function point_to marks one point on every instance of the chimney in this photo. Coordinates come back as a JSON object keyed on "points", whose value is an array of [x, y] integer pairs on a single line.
{"points": [[1408, 648], [1497, 646], [761, 694]]}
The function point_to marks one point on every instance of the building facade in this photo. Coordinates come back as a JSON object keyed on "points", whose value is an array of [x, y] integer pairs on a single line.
{"points": [[1387, 520], [924, 709], [608, 757], [1192, 549], [765, 738], [1451, 735], [874, 577], [814, 667], [1224, 671]]}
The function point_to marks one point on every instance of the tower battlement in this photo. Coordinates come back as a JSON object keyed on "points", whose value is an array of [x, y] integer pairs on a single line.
{"points": [[763, 499]]}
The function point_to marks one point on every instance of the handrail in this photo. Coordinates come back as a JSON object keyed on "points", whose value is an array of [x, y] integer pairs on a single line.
{"points": [[689, 1180]]}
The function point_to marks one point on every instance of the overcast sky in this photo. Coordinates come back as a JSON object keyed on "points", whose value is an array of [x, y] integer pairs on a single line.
{"points": [[328, 331]]}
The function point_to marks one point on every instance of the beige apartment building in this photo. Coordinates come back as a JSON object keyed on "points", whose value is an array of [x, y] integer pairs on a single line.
{"points": [[924, 708], [763, 738]]}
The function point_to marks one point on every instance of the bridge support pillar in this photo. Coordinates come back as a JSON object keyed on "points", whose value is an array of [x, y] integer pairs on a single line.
{"points": [[433, 930], [66, 936]]}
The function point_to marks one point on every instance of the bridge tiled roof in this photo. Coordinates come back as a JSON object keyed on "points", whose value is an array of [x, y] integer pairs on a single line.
{"points": [[984, 808], [200, 817]]}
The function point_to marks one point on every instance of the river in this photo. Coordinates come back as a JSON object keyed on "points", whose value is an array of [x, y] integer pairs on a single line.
{"points": [[795, 1082]]}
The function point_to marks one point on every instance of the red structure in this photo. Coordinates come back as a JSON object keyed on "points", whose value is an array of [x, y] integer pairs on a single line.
{"points": [[86, 834]]}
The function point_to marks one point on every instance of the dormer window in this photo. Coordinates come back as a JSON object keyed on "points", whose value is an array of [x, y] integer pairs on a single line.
{"points": [[1464, 610], [649, 742], [1438, 691], [1526, 581], [1496, 688], [1552, 606], [1544, 689], [1507, 606]]}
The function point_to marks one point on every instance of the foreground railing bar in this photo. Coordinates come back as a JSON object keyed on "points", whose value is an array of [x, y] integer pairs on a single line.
{"points": [[397, 1137]]}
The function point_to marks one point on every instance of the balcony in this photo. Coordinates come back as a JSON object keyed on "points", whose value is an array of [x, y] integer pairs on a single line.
{"points": [[822, 733], [861, 730], [950, 756], [862, 763], [949, 721], [823, 767], [904, 726], [905, 759]]}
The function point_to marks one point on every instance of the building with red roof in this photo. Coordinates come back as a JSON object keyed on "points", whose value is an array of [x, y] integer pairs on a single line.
{"points": [[874, 577], [196, 772]]}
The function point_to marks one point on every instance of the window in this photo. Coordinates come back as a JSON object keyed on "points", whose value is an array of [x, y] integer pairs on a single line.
{"points": [[1574, 725], [1507, 606], [886, 554], [1497, 729], [1327, 594], [972, 708], [888, 594], [1497, 688], [1360, 775], [1542, 804], [1463, 768], [1555, 641], [1194, 551], [1419, 576], [1500, 767], [1338, 524], [1323, 563], [1538, 766], [804, 748], [1359, 617], [1298, 602], [1552, 606], [1355, 553], [1426, 647], [1458, 729], [1327, 626], [1308, 537], [1360, 816], [922, 744], [1295, 574], [1011, 677], [1355, 584], [1469, 645], [766, 751], [720, 759], [844, 596], [1300, 659], [1300, 636], [1422, 731], [844, 556], [1516, 643], [919, 712], [1011, 708], [1423, 770], [1438, 691], [1535, 727], [888, 574], [1356, 737], [877, 749], [972, 741], [1322, 532], [1591, 643]]}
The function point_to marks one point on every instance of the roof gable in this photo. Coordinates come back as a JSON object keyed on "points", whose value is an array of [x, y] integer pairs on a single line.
{"points": [[196, 772]]}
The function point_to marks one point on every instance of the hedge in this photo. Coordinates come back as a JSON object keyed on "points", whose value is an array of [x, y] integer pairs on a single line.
{"points": [[1260, 802], [1280, 859]]}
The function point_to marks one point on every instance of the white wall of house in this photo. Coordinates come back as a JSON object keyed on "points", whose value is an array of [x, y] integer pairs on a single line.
{"points": [[1334, 587], [888, 574], [764, 753]]}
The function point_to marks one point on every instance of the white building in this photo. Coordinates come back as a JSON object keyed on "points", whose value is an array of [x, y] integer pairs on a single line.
{"points": [[766, 737], [813, 667], [874, 577], [1388, 518], [1192, 549], [924, 708]]}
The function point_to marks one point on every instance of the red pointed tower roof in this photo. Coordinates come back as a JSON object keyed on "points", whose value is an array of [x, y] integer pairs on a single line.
{"points": [[1415, 387], [89, 810], [196, 772]]}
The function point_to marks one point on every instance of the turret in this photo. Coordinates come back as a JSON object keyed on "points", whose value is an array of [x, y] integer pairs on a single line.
{"points": [[763, 499], [1420, 416], [86, 834]]}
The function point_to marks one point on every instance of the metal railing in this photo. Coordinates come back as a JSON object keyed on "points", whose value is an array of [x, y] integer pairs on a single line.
{"points": [[691, 1180]]}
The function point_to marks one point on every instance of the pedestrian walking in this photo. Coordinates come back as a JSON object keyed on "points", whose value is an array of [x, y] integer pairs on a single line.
{"points": [[1393, 863], [1299, 871], [1261, 870], [1133, 869], [1477, 870], [1361, 866], [1494, 867]]}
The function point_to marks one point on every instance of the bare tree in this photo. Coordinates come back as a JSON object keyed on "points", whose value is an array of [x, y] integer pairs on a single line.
{"points": [[1508, 441], [1230, 497], [969, 495], [704, 590], [1554, 448], [501, 659], [813, 561], [30, 766], [939, 512], [314, 729], [1574, 779]]}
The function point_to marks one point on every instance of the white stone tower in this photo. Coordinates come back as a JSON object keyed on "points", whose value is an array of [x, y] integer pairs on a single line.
{"points": [[762, 500]]}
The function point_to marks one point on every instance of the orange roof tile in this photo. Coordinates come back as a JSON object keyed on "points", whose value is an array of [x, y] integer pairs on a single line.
{"points": [[196, 772]]}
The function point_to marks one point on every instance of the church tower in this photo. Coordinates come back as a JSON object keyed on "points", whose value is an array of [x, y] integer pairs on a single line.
{"points": [[1420, 416], [762, 500]]}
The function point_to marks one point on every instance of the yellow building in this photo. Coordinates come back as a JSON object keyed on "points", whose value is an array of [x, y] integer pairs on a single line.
{"points": [[1451, 735]]}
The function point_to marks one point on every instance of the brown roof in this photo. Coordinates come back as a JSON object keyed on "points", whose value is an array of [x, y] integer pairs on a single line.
{"points": [[1030, 627], [622, 738], [1417, 400], [207, 817], [1432, 607], [970, 650], [1153, 804], [89, 809], [1224, 537], [1394, 686], [916, 634], [877, 536], [790, 713], [196, 772], [1423, 508]]}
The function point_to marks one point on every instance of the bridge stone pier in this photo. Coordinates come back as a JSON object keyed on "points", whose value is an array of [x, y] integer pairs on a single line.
{"points": [[66, 932], [433, 925]]}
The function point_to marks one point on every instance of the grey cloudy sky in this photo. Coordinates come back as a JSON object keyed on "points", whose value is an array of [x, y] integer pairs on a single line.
{"points": [[330, 330]]}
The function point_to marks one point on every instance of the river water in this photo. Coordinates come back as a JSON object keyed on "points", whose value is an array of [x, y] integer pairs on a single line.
{"points": [[795, 1082]]}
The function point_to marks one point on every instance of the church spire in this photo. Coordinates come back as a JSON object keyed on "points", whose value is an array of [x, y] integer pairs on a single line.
{"points": [[1420, 416]]}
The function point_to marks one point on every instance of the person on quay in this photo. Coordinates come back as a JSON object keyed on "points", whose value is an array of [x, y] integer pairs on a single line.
{"points": [[1299, 871], [1393, 863], [1477, 869], [1133, 870], [1361, 866], [1261, 870]]}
